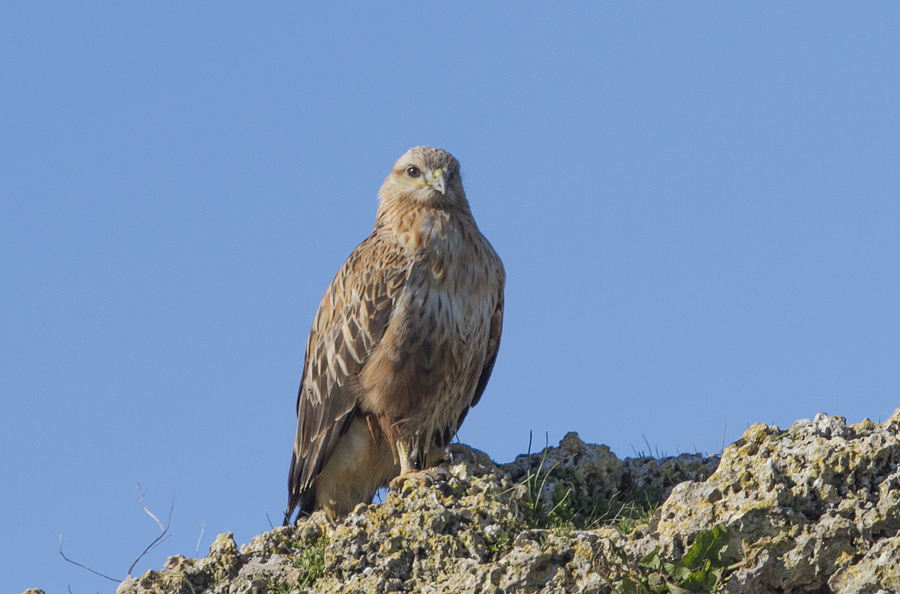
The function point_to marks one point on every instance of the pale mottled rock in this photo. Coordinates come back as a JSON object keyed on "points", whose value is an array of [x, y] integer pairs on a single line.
{"points": [[877, 571], [815, 508]]}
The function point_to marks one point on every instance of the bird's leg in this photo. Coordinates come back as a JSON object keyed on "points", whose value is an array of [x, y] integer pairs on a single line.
{"points": [[408, 471], [406, 464]]}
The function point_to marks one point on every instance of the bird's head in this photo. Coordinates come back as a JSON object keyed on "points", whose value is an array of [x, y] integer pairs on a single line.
{"points": [[425, 175]]}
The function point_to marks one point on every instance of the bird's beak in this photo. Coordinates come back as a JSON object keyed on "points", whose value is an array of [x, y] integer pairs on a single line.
{"points": [[439, 180]]}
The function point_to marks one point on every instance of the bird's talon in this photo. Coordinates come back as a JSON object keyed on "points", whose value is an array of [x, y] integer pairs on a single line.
{"points": [[423, 477]]}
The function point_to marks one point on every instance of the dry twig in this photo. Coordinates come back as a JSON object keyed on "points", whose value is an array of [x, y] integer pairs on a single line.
{"points": [[159, 539], [63, 555], [156, 541]]}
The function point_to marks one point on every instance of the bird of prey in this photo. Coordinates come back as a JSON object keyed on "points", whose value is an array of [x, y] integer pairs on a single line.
{"points": [[403, 342]]}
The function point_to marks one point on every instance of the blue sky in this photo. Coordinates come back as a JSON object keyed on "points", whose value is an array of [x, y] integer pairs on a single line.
{"points": [[697, 207]]}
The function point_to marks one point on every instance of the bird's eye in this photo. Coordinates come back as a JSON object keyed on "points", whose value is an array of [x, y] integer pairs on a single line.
{"points": [[413, 171]]}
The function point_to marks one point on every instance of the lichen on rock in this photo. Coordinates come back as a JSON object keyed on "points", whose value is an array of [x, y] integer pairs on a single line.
{"points": [[814, 508]]}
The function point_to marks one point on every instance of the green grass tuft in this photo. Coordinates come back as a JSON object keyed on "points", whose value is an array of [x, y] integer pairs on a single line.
{"points": [[571, 507], [311, 562]]}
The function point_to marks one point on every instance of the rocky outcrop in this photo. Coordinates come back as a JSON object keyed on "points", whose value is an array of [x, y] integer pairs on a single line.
{"points": [[815, 508]]}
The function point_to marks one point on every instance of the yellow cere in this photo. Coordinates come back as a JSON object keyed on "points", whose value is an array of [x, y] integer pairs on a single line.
{"points": [[434, 176]]}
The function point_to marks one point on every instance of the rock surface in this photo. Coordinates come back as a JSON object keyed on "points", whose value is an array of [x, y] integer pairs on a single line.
{"points": [[815, 508]]}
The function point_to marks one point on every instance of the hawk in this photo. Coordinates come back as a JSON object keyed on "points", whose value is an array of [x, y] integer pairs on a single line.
{"points": [[403, 342]]}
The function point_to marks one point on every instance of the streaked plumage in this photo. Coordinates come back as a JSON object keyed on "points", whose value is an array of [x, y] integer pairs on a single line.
{"points": [[403, 343]]}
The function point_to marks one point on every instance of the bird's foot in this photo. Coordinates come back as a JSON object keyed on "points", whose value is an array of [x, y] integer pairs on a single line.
{"points": [[423, 477]]}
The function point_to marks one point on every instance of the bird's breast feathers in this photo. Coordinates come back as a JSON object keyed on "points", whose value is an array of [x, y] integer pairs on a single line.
{"points": [[435, 345], [455, 277]]}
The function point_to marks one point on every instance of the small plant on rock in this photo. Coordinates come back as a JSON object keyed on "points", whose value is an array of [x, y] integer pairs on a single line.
{"points": [[701, 569], [311, 562], [535, 515]]}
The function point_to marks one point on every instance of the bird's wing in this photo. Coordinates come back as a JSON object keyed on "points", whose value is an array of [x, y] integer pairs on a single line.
{"points": [[444, 436], [350, 322], [491, 356]]}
